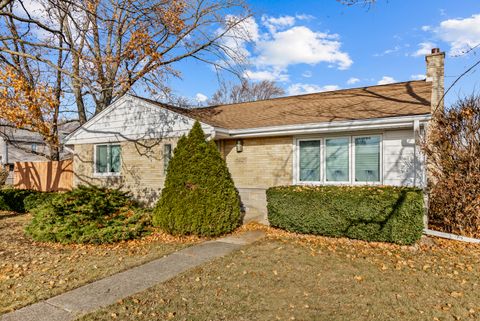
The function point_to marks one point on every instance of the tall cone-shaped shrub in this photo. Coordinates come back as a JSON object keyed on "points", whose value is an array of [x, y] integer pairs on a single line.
{"points": [[199, 196]]}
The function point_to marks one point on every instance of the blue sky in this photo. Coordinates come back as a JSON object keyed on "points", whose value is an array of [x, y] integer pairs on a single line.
{"points": [[310, 46]]}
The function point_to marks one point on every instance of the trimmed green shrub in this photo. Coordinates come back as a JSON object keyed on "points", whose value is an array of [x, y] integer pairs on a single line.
{"points": [[88, 215], [199, 196], [12, 199], [385, 214], [36, 199]]}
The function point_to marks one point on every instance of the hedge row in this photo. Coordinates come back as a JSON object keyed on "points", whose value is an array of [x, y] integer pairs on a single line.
{"points": [[385, 214], [21, 200]]}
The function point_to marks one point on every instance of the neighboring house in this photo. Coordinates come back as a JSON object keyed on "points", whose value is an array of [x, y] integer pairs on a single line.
{"points": [[20, 145], [354, 137]]}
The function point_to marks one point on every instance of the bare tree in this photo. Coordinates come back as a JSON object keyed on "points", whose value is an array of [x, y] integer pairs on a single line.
{"points": [[110, 46], [83, 53], [246, 91]]}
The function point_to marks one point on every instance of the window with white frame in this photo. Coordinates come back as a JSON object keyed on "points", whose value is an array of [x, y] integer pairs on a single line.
{"points": [[345, 159], [337, 159], [309, 160], [107, 159], [367, 159]]}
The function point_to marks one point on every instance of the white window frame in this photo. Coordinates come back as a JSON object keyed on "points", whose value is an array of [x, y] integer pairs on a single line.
{"points": [[107, 174], [325, 182], [297, 177], [380, 182], [323, 163]]}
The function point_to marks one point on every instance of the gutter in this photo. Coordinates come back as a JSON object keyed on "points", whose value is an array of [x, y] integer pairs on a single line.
{"points": [[353, 125]]}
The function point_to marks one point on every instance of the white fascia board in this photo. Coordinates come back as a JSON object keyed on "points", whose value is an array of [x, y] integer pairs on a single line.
{"points": [[330, 127]]}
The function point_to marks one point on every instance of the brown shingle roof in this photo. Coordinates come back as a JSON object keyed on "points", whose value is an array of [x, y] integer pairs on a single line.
{"points": [[398, 99]]}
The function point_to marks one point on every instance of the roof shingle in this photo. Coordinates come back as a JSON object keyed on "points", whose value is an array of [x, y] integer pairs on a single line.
{"points": [[392, 100]]}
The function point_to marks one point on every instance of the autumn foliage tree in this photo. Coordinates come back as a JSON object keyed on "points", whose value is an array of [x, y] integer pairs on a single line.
{"points": [[453, 161], [76, 57], [111, 47], [28, 106]]}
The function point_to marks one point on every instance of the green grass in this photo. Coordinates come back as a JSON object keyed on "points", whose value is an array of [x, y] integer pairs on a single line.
{"points": [[308, 278]]}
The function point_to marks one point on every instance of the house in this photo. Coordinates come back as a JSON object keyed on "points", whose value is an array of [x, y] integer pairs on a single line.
{"points": [[354, 136], [21, 145]]}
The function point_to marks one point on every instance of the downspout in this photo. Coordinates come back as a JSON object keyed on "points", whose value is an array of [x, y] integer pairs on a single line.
{"points": [[416, 132]]}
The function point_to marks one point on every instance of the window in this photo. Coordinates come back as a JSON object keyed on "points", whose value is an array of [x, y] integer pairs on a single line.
{"points": [[367, 159], [167, 155], [337, 159], [34, 147], [107, 159], [309, 160]]}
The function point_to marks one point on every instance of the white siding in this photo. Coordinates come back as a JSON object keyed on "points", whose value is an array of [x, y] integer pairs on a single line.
{"points": [[132, 119], [402, 161], [399, 153]]}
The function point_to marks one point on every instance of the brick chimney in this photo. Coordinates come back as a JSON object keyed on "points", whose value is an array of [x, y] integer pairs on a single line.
{"points": [[436, 75]]}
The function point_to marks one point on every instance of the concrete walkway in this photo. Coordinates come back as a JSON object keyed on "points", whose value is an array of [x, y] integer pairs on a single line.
{"points": [[107, 291]]}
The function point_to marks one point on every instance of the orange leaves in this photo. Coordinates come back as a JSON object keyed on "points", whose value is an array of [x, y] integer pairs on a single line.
{"points": [[140, 46], [25, 105], [141, 43], [171, 16]]}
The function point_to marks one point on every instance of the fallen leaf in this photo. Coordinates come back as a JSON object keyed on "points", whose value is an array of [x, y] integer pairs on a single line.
{"points": [[455, 294]]}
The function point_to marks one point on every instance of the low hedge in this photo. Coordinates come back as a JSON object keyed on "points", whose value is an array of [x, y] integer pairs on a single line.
{"points": [[88, 215], [13, 200], [34, 200], [383, 213]]}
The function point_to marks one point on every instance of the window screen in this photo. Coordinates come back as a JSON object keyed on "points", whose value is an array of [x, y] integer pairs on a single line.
{"points": [[367, 159], [310, 161], [336, 160]]}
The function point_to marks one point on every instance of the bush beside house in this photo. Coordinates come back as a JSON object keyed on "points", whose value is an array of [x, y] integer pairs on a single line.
{"points": [[13, 200], [386, 214], [199, 196], [88, 215], [453, 159], [36, 199]]}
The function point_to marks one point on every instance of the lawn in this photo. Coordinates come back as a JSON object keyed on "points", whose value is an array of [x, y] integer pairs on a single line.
{"points": [[32, 271], [291, 277]]}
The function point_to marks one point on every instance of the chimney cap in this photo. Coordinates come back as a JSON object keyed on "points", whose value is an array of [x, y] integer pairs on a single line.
{"points": [[435, 50]]}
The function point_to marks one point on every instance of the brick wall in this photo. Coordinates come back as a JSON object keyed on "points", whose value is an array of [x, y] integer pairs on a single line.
{"points": [[142, 171], [264, 162]]}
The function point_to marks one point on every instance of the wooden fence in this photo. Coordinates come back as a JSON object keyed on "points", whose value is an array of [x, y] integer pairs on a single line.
{"points": [[44, 176]]}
